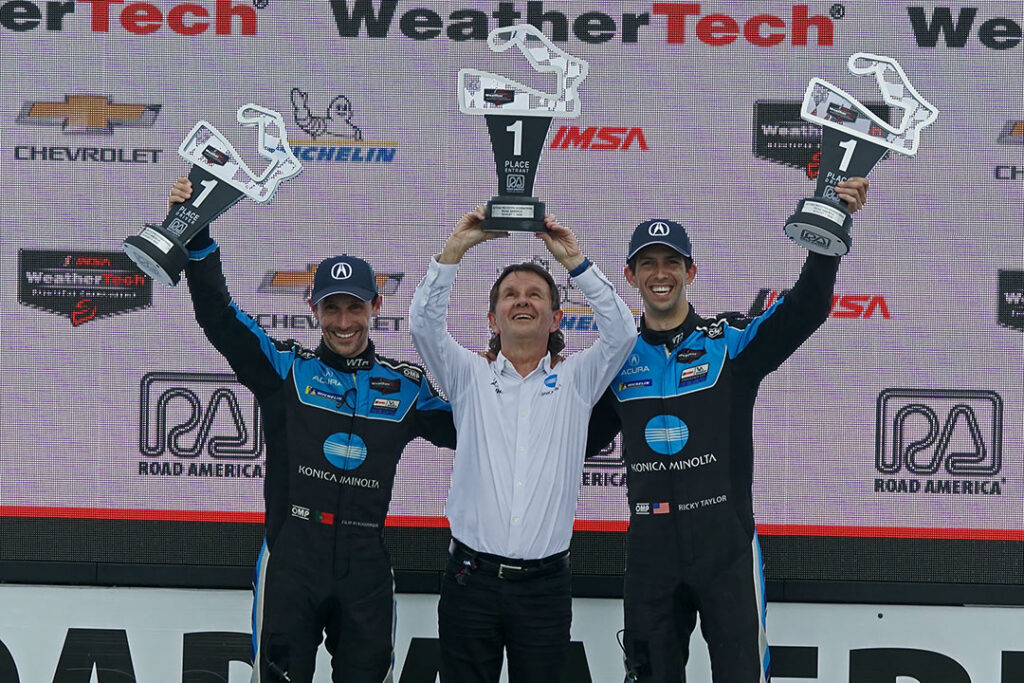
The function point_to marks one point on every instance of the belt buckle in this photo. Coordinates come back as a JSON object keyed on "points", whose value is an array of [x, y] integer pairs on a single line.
{"points": [[510, 567]]}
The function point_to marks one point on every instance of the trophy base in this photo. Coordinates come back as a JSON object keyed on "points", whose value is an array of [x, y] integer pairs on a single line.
{"points": [[509, 213], [821, 226], [156, 255]]}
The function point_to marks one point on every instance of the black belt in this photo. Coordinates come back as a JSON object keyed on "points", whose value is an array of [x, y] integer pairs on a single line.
{"points": [[507, 568]]}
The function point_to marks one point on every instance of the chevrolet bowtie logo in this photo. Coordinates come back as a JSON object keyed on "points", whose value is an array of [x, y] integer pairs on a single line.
{"points": [[88, 114], [301, 281], [1012, 133]]}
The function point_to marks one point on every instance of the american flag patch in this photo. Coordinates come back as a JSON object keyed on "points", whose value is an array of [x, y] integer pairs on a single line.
{"points": [[660, 508]]}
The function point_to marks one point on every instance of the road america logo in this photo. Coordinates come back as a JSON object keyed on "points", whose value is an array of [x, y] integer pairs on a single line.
{"points": [[939, 441]]}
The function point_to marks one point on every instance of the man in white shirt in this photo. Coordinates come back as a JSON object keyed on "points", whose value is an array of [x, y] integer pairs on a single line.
{"points": [[521, 421]]}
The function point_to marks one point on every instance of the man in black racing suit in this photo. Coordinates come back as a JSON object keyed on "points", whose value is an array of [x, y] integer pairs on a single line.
{"points": [[684, 401], [336, 420]]}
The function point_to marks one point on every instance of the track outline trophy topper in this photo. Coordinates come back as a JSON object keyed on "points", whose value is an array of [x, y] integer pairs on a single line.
{"points": [[221, 178], [853, 141], [518, 118]]}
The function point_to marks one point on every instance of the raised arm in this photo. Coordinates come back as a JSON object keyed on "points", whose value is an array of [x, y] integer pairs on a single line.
{"points": [[260, 362], [615, 325], [428, 314]]}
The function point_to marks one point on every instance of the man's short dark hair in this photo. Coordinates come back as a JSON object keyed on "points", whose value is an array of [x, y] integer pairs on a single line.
{"points": [[556, 340]]}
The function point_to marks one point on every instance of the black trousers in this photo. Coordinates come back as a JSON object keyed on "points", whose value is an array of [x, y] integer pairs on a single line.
{"points": [[481, 614], [664, 594], [346, 594]]}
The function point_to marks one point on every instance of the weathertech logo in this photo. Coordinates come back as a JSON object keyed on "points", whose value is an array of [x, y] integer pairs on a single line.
{"points": [[939, 441], [82, 286], [782, 137], [1011, 299], [298, 284], [223, 17], [87, 115], [843, 305], [675, 23], [997, 33]]}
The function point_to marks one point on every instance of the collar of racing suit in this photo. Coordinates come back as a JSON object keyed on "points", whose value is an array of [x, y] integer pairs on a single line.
{"points": [[364, 361], [670, 338]]}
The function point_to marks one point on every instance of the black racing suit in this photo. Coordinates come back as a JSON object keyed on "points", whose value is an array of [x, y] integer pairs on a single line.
{"points": [[335, 428], [684, 401]]}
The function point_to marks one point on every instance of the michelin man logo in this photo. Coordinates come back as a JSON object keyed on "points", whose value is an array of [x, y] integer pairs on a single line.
{"points": [[476, 88], [828, 105], [205, 146], [335, 123]]}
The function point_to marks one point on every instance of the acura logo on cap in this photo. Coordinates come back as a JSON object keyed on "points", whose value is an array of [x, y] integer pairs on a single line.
{"points": [[341, 271], [658, 229]]}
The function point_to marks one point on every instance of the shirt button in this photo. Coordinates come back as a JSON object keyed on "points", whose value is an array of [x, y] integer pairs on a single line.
{"points": [[515, 520], [519, 483], [522, 448]]}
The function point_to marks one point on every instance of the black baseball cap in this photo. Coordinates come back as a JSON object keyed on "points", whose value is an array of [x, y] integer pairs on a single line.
{"points": [[660, 231], [343, 275]]}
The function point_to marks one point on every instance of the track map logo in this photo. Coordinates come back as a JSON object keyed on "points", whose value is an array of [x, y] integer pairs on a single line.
{"points": [[198, 425], [939, 441]]}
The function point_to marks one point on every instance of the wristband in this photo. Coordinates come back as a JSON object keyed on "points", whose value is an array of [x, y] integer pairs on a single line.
{"points": [[581, 268]]}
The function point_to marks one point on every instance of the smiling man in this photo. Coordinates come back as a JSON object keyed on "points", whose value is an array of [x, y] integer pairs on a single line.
{"points": [[685, 404], [336, 419], [521, 415]]}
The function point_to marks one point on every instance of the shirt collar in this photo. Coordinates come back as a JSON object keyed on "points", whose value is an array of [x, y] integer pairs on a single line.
{"points": [[503, 364]]}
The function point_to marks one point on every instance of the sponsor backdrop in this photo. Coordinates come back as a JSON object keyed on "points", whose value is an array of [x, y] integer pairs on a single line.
{"points": [[64, 634], [901, 418]]}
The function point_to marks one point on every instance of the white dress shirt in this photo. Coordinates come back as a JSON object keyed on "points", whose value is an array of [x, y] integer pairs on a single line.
{"points": [[519, 457]]}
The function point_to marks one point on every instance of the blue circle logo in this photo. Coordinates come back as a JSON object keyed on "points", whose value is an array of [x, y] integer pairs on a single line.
{"points": [[345, 451], [666, 434], [551, 381]]}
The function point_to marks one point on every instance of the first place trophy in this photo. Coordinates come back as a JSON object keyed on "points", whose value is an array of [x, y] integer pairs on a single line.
{"points": [[518, 118], [220, 178], [853, 140]]}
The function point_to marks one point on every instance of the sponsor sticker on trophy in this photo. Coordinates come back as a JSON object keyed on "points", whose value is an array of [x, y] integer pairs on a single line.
{"points": [[518, 118], [220, 178], [853, 140]]}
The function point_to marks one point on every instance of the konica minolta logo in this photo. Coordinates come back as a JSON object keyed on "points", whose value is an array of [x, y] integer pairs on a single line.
{"points": [[676, 23]]}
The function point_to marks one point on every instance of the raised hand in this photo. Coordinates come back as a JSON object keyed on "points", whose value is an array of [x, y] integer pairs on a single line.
{"points": [[466, 235], [181, 191], [561, 242], [853, 191]]}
